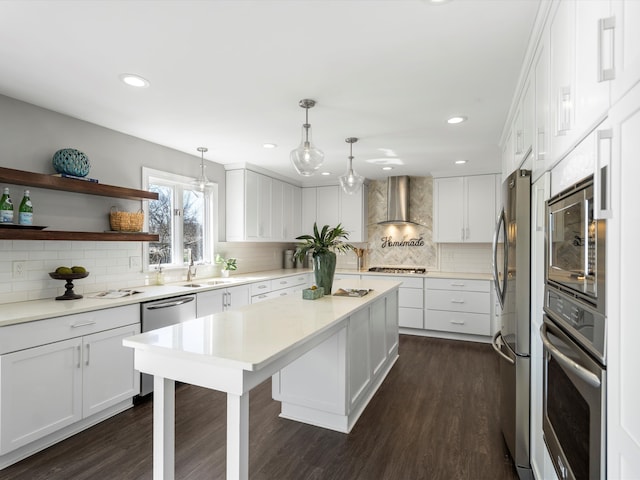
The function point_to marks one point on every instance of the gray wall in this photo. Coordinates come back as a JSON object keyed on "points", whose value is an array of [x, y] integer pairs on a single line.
{"points": [[30, 135]]}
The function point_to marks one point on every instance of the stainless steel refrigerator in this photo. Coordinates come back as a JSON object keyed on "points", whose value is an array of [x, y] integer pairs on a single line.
{"points": [[511, 274]]}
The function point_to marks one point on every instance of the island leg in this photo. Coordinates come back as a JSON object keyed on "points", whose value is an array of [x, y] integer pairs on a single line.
{"points": [[163, 428], [238, 436]]}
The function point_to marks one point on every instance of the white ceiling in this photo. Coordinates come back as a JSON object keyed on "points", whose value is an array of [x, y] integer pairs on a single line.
{"points": [[228, 75]]}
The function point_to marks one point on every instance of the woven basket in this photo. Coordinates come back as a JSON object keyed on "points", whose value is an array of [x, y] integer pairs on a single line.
{"points": [[126, 221]]}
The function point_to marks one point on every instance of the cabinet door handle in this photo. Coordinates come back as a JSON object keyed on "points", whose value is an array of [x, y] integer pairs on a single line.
{"points": [[457, 322], [283, 282], [606, 46], [540, 151], [602, 177], [457, 301], [79, 356], [83, 324], [565, 109], [262, 286], [457, 284], [88, 354]]}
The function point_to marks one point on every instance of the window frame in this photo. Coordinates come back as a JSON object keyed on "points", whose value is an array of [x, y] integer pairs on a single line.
{"points": [[179, 183]]}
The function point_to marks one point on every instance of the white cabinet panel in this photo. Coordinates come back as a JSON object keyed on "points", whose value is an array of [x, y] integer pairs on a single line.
{"points": [[261, 208], [458, 322], [331, 206], [448, 207], [623, 258], [464, 209], [358, 355], [208, 303], [541, 108], [378, 336], [626, 15], [108, 377], [392, 323], [460, 301], [411, 317], [328, 206], [41, 392]]}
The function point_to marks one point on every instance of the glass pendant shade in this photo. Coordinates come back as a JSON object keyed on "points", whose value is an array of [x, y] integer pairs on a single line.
{"points": [[202, 182], [351, 181], [306, 158]]}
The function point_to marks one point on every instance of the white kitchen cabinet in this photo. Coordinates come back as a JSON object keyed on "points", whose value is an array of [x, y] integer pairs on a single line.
{"points": [[107, 374], [464, 209], [279, 287], [507, 156], [359, 355], [541, 108], [222, 299], [260, 208], [410, 299], [56, 372], [579, 93], [41, 392], [522, 129], [623, 258], [331, 206], [327, 206], [458, 306], [626, 44], [346, 369]]}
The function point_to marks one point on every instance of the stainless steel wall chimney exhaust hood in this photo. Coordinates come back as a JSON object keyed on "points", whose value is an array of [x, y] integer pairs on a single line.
{"points": [[398, 201]]}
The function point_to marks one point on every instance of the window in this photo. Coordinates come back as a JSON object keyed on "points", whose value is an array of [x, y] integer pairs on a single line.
{"points": [[182, 216]]}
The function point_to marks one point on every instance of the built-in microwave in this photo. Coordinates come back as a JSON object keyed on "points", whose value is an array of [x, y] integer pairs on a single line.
{"points": [[576, 245]]}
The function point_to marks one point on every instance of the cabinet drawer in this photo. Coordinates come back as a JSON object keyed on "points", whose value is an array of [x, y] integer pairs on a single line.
{"points": [[458, 322], [474, 302], [457, 284], [273, 294], [407, 280], [411, 297], [286, 282], [346, 276], [259, 288], [40, 332], [411, 317]]}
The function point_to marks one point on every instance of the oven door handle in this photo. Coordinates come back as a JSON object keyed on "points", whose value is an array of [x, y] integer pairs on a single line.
{"points": [[496, 343], [589, 377]]}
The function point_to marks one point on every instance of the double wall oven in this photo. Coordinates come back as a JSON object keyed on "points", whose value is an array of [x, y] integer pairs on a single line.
{"points": [[574, 336]]}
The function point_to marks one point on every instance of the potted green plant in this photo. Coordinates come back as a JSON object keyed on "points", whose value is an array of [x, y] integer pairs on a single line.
{"points": [[323, 246], [228, 264]]}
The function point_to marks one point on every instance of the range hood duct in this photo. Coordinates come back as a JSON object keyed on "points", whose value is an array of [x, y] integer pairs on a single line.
{"points": [[398, 201]]}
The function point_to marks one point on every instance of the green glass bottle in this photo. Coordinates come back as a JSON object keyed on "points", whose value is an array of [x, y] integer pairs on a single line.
{"points": [[26, 210], [6, 207]]}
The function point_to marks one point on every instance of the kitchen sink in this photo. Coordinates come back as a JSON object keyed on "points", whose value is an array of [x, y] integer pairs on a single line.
{"points": [[192, 285], [219, 282]]}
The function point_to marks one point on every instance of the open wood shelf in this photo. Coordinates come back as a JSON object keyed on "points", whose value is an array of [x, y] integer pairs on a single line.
{"points": [[41, 180], [17, 234]]}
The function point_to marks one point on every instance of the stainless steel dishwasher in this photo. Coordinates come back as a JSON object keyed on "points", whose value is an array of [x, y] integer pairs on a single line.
{"points": [[162, 313]]}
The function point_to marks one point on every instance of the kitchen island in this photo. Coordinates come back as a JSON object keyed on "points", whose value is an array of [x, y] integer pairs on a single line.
{"points": [[345, 345]]}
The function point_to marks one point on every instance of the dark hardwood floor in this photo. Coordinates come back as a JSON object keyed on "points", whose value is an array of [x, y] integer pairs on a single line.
{"points": [[435, 417]]}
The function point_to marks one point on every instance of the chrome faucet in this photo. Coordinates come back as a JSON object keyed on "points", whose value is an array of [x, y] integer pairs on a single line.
{"points": [[191, 271]]}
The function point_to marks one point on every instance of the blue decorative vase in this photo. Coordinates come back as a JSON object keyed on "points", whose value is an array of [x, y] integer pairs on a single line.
{"points": [[71, 162]]}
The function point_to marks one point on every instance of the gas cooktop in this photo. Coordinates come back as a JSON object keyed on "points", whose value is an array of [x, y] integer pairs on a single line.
{"points": [[398, 270]]}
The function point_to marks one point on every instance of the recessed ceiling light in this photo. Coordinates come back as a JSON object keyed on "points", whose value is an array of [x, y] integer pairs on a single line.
{"points": [[387, 168], [134, 80], [454, 120], [460, 162], [325, 173], [269, 145]]}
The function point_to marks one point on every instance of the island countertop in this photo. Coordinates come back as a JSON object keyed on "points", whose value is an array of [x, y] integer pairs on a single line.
{"points": [[249, 337]]}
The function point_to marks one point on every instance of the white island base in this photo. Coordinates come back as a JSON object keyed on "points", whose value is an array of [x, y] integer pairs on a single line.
{"points": [[327, 358]]}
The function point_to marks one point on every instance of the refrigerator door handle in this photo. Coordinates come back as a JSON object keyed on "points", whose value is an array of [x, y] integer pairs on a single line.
{"points": [[496, 343], [500, 288]]}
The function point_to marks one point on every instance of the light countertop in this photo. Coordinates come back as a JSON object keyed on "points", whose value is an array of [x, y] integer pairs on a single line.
{"points": [[19, 312], [454, 275], [249, 337]]}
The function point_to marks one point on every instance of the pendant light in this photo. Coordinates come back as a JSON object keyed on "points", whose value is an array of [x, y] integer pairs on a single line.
{"points": [[202, 182], [351, 181], [306, 158]]}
